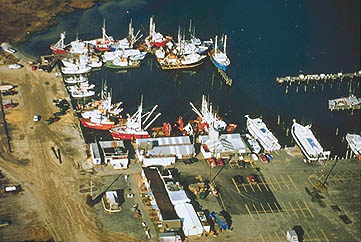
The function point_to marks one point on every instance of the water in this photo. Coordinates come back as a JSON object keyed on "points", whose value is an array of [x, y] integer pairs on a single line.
{"points": [[265, 40]]}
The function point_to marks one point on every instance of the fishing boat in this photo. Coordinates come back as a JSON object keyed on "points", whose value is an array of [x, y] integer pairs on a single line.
{"points": [[258, 129], [81, 85], [354, 142], [104, 43], [78, 47], [307, 142], [218, 57], [74, 79], [77, 69], [82, 93], [209, 118], [103, 116], [59, 47], [133, 128], [155, 39], [122, 63]]}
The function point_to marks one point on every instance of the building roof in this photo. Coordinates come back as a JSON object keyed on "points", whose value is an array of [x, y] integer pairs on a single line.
{"points": [[160, 194], [171, 150], [225, 143], [95, 149], [163, 141], [189, 219]]}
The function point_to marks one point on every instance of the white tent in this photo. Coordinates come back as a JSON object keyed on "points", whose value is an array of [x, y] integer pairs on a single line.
{"points": [[190, 222]]}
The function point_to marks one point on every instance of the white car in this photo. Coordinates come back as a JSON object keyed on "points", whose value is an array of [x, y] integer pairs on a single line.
{"points": [[36, 118], [14, 66]]}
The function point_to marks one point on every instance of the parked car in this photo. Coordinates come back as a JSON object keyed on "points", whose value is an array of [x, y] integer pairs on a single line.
{"points": [[252, 179], [269, 156], [13, 188], [263, 158], [219, 162]]}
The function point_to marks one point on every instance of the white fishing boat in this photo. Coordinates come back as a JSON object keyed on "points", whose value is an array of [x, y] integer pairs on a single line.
{"points": [[75, 79], [209, 118], [218, 57], [82, 93], [307, 142], [77, 69], [258, 129], [354, 142], [81, 85]]}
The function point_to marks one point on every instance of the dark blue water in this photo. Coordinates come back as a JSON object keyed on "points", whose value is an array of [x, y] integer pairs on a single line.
{"points": [[266, 39]]}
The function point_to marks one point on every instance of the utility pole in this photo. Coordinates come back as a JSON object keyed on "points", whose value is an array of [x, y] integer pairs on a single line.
{"points": [[333, 166]]}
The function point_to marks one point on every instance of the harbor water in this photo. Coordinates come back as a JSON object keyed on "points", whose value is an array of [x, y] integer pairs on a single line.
{"points": [[266, 39]]}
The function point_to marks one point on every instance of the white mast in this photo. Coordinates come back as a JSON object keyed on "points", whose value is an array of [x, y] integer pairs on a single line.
{"points": [[215, 44], [225, 44]]}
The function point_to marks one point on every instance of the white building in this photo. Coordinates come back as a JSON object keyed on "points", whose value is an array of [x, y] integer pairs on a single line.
{"points": [[222, 146], [112, 152], [164, 150]]}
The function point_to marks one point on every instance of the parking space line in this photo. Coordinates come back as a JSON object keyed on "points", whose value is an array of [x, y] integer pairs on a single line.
{"points": [[278, 237], [283, 180], [316, 236], [262, 237], [301, 209], [274, 178], [235, 184], [270, 208], [293, 209], [249, 212], [251, 187], [254, 206], [264, 184], [285, 208], [244, 187], [264, 210], [324, 235], [308, 236], [270, 237], [289, 178], [259, 188], [309, 210], [278, 208]]}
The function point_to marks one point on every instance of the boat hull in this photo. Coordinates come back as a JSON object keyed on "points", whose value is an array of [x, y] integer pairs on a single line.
{"points": [[111, 65], [57, 51], [218, 65], [159, 44], [128, 136], [88, 124]]}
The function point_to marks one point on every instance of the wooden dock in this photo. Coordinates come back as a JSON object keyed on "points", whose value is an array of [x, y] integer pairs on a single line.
{"points": [[317, 77], [226, 78]]}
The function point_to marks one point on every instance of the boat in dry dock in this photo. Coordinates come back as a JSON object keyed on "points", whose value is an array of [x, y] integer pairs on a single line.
{"points": [[258, 129], [59, 47], [133, 128], [307, 142]]}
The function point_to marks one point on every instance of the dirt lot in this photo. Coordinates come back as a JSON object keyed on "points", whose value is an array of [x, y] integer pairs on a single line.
{"points": [[50, 205]]}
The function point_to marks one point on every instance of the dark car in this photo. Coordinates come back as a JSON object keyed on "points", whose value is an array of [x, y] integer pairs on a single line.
{"points": [[269, 156], [52, 120]]}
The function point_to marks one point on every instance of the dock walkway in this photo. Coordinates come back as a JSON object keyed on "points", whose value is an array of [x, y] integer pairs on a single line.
{"points": [[317, 77]]}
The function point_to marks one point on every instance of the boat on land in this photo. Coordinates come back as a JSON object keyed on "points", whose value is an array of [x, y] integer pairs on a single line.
{"points": [[59, 47], [258, 129], [354, 141], [307, 142], [218, 57], [133, 128]]}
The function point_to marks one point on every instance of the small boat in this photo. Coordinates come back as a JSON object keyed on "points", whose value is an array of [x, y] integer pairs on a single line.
{"points": [[75, 80], [59, 47], [155, 39], [218, 57], [122, 63], [354, 141], [104, 43], [133, 127], [350, 102], [81, 93], [78, 69]]}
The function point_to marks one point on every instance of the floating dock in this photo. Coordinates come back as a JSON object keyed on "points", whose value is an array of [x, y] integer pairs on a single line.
{"points": [[345, 103], [317, 77], [226, 78]]}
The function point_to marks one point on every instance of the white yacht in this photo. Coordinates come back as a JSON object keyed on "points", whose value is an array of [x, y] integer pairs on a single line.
{"points": [[258, 129], [354, 141], [307, 142]]}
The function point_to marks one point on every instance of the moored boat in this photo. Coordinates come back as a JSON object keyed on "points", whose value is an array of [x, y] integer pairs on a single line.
{"points": [[59, 47], [354, 142], [218, 57]]}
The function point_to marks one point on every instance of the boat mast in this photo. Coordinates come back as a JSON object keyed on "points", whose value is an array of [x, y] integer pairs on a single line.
{"points": [[215, 44], [225, 44], [190, 28], [151, 25]]}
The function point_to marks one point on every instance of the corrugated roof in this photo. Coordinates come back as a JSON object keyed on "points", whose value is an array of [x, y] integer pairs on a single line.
{"points": [[171, 150], [165, 141]]}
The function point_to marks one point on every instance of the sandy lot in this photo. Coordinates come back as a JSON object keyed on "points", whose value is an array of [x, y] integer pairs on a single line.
{"points": [[50, 205]]}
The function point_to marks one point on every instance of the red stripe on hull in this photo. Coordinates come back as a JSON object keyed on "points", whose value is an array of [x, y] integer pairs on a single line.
{"points": [[159, 44], [58, 51], [125, 136], [87, 124]]}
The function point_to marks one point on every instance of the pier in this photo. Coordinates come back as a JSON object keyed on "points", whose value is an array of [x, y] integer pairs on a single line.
{"points": [[226, 78], [316, 77]]}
